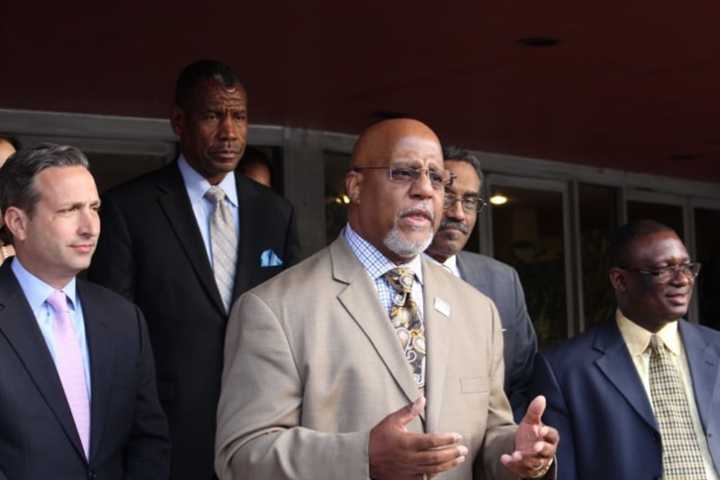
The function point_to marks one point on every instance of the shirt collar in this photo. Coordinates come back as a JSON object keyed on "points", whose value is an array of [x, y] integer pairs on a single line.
{"points": [[637, 338], [451, 264], [36, 291], [197, 185], [375, 263]]}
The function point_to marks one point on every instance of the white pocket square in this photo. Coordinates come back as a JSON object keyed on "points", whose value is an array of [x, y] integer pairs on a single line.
{"points": [[268, 258]]}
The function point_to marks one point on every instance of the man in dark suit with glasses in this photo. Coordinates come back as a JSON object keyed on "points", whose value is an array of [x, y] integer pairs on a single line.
{"points": [[639, 396], [495, 279]]}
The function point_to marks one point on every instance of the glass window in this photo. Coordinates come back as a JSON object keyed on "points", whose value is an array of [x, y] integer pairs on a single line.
{"points": [[528, 234], [336, 201], [598, 219], [707, 239]]}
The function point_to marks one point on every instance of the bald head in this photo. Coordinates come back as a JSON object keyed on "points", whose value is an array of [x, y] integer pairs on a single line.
{"points": [[396, 213], [379, 140], [6, 149]]}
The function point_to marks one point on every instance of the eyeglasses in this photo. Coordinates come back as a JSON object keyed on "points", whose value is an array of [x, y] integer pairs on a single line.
{"points": [[665, 274], [470, 203], [409, 175]]}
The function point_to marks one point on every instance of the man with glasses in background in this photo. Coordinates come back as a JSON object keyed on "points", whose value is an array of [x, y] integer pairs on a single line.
{"points": [[638, 397], [495, 279], [368, 360]]}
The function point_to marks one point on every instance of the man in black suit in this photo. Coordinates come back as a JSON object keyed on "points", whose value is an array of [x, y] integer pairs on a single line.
{"points": [[495, 279], [183, 257], [77, 380]]}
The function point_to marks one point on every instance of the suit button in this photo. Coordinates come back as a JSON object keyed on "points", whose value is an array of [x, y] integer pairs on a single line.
{"points": [[91, 475]]}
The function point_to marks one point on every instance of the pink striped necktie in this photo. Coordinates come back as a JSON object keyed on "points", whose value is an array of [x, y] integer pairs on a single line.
{"points": [[69, 364]]}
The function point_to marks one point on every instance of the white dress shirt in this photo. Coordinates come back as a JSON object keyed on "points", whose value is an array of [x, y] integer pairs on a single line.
{"points": [[451, 264]]}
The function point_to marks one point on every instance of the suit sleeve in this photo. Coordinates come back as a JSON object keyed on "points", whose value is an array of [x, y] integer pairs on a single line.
{"points": [[526, 349], [147, 455], [500, 432], [112, 264], [259, 414], [557, 415]]}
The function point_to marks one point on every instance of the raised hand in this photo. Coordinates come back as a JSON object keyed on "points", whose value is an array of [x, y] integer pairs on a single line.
{"points": [[535, 443], [396, 453]]}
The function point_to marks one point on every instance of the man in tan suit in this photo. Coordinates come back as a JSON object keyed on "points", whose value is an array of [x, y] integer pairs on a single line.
{"points": [[333, 370]]}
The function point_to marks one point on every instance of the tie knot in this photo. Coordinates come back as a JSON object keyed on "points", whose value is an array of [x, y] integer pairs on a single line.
{"points": [[656, 344], [401, 279], [215, 194], [58, 301]]}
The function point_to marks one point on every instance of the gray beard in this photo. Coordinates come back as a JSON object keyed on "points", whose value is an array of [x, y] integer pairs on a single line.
{"points": [[403, 248]]}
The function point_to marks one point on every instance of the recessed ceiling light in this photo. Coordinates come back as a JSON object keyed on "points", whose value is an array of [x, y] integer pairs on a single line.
{"points": [[538, 42], [498, 199], [342, 199]]}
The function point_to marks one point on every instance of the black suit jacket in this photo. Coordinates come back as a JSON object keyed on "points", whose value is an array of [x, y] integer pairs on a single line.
{"points": [[38, 438], [151, 251], [501, 283]]}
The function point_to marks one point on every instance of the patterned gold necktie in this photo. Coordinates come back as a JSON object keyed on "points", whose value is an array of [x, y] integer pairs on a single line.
{"points": [[406, 320], [681, 452]]}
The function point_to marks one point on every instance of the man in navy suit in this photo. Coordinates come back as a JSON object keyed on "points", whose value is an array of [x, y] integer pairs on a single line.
{"points": [[604, 393], [158, 249], [77, 380], [495, 279]]}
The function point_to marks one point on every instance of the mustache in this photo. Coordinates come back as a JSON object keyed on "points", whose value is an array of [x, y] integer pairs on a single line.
{"points": [[421, 209], [448, 224]]}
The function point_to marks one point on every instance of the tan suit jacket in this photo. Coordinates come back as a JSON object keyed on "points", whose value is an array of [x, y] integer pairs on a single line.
{"points": [[312, 364]]}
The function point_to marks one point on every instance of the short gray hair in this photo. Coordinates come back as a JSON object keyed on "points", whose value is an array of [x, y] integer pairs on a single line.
{"points": [[18, 173]]}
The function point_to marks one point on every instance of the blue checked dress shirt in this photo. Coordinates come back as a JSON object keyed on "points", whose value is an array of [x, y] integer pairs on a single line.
{"points": [[376, 265]]}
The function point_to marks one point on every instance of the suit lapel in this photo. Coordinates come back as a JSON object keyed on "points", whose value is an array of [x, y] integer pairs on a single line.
{"points": [[361, 301], [703, 362], [101, 351], [17, 323], [617, 366], [176, 205], [436, 328], [470, 273], [249, 219]]}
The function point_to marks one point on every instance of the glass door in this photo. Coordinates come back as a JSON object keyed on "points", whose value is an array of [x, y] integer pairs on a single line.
{"points": [[527, 227], [707, 239]]}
